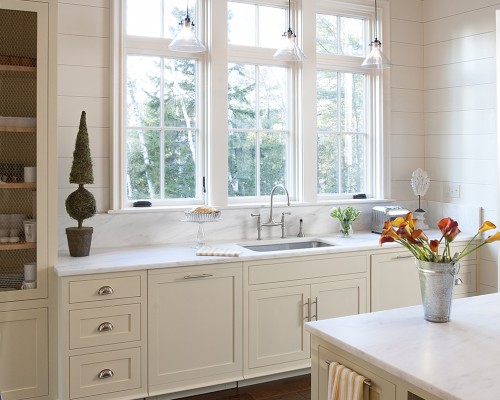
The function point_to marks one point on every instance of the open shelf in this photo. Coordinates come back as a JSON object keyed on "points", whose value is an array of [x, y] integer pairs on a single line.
{"points": [[17, 246], [18, 185], [16, 68], [17, 129]]}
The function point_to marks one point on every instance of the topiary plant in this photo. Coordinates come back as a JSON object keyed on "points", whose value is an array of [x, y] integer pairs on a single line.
{"points": [[80, 204]]}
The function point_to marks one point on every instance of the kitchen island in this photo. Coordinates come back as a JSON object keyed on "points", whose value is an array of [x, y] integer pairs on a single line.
{"points": [[406, 357]]}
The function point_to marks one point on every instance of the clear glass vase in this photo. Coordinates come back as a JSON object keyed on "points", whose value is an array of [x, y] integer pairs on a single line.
{"points": [[346, 230]]}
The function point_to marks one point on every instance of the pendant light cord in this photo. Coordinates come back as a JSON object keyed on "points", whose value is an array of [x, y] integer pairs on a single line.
{"points": [[289, 16], [376, 22]]}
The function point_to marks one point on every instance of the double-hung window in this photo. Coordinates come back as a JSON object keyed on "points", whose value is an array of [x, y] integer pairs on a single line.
{"points": [[342, 88], [259, 129], [315, 127], [161, 119]]}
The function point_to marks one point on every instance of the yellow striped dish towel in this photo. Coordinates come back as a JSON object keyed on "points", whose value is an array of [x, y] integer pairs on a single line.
{"points": [[343, 383], [217, 251]]}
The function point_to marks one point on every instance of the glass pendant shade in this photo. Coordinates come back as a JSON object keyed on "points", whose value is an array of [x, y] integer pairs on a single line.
{"points": [[376, 59], [186, 40], [289, 51]]}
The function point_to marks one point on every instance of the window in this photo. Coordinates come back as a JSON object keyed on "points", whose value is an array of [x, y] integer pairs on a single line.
{"points": [[341, 104], [162, 136], [316, 128]]}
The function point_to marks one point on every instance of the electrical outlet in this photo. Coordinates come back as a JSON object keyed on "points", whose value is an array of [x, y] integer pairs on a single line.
{"points": [[451, 190]]}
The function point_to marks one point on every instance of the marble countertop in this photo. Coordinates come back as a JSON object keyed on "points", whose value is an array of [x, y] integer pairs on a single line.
{"points": [[150, 257], [454, 360]]}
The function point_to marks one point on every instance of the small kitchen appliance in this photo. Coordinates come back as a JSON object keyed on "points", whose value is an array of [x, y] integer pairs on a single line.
{"points": [[380, 214]]}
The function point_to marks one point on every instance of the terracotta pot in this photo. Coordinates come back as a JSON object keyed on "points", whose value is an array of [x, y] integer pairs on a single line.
{"points": [[79, 241]]}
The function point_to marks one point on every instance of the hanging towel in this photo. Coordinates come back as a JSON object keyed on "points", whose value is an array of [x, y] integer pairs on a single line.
{"points": [[343, 383], [218, 251]]}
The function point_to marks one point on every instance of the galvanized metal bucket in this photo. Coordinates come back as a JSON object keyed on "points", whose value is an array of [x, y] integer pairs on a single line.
{"points": [[436, 285]]}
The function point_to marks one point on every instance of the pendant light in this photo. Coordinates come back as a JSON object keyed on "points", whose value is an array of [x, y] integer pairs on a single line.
{"points": [[289, 51], [376, 59], [186, 41]]}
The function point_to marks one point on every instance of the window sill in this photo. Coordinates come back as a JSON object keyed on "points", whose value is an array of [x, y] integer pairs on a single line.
{"points": [[249, 206]]}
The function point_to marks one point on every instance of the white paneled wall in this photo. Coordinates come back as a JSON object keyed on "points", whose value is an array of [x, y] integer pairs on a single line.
{"points": [[407, 95], [460, 109], [84, 84]]}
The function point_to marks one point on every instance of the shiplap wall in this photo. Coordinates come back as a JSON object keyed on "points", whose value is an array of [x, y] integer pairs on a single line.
{"points": [[460, 109], [83, 79], [407, 93]]}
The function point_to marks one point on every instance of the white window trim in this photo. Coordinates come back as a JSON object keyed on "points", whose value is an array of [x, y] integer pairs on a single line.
{"points": [[213, 27]]}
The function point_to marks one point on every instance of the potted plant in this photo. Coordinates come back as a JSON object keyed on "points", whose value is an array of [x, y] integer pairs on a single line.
{"points": [[346, 217], [80, 204], [437, 270]]}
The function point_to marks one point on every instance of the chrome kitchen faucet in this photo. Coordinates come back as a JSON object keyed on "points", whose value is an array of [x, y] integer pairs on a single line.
{"points": [[271, 221]]}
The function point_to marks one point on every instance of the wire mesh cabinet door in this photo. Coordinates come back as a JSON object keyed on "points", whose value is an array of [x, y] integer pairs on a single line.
{"points": [[24, 253], [23, 149]]}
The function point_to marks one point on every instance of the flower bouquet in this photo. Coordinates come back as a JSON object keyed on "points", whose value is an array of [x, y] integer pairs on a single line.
{"points": [[346, 218], [437, 271], [403, 231]]}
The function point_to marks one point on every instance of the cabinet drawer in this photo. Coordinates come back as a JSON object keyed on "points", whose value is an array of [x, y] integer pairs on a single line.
{"points": [[104, 289], [303, 269], [105, 372], [105, 325]]}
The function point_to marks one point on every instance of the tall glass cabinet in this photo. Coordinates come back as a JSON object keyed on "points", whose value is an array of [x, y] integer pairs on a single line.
{"points": [[24, 38]]}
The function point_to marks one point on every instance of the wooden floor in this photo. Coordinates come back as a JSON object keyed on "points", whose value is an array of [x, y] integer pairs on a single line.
{"points": [[296, 388]]}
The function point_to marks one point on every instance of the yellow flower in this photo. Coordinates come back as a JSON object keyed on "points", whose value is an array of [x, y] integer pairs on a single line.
{"points": [[487, 226], [493, 238]]}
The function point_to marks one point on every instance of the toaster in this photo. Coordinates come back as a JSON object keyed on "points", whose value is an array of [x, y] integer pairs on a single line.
{"points": [[380, 214]]}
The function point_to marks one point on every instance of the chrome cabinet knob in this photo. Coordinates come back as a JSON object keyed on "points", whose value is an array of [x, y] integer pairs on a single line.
{"points": [[105, 327], [104, 290], [105, 373]]}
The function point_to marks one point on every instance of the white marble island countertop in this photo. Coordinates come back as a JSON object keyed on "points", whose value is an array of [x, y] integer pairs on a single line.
{"points": [[455, 360]]}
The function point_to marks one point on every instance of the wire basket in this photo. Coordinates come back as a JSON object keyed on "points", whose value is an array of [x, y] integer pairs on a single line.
{"points": [[11, 281]]}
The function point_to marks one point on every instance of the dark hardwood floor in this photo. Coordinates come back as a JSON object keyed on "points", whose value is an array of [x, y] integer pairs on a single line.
{"points": [[296, 388]]}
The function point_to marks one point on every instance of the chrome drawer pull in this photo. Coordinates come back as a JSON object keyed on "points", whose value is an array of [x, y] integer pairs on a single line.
{"points": [[198, 276], [105, 290], [402, 257], [105, 327], [105, 373]]}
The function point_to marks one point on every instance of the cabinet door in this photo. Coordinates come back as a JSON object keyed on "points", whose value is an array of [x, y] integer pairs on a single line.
{"points": [[24, 354], [275, 325], [338, 299], [195, 327], [394, 281], [24, 149]]}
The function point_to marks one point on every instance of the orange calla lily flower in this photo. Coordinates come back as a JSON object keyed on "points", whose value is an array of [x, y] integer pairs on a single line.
{"points": [[405, 232], [487, 226], [493, 238], [434, 245]]}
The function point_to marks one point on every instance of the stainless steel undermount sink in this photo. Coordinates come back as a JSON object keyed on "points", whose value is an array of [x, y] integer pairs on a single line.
{"points": [[309, 244]]}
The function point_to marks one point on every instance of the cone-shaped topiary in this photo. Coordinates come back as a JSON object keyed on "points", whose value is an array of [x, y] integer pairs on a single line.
{"points": [[81, 170], [81, 204]]}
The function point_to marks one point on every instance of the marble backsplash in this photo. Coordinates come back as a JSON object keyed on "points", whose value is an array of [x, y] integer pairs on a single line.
{"points": [[155, 227]]}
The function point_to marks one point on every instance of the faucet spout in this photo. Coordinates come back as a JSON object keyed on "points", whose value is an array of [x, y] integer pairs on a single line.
{"points": [[271, 219]]}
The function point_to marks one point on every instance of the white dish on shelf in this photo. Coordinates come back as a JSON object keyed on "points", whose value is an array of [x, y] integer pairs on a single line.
{"points": [[18, 122], [14, 239], [4, 239]]}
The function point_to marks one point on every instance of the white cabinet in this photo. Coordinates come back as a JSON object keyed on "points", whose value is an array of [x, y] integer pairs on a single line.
{"points": [[395, 280], [195, 327], [25, 123], [24, 354], [283, 294], [103, 343]]}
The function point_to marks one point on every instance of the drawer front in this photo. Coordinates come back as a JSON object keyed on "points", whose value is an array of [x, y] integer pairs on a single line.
{"points": [[106, 372], [104, 289], [303, 269], [105, 325]]}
